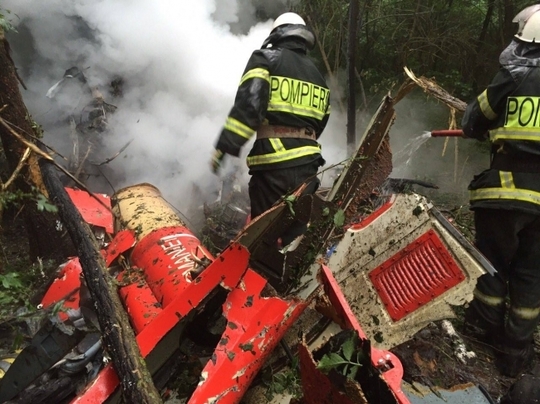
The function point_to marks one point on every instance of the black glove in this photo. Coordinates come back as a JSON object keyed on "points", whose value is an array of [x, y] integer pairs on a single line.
{"points": [[217, 161]]}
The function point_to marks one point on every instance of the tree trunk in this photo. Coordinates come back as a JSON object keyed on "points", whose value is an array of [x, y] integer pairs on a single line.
{"points": [[117, 334], [45, 241], [509, 28], [351, 109]]}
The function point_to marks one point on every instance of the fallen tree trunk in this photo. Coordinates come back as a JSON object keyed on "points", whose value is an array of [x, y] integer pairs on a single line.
{"points": [[117, 334]]}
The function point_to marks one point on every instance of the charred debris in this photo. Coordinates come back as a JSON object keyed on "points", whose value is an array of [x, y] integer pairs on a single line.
{"points": [[213, 318]]}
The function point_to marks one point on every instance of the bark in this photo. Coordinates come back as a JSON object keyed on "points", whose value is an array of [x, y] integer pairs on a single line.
{"points": [[351, 56], [117, 334], [485, 25], [44, 240], [509, 28], [480, 66]]}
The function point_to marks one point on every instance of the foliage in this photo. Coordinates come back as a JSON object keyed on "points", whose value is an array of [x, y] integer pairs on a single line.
{"points": [[457, 42], [16, 288], [43, 204], [5, 23], [346, 361], [290, 200], [339, 218], [18, 197], [37, 128], [285, 381]]}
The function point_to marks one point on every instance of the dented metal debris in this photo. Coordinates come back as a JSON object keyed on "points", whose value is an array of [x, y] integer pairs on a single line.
{"points": [[384, 278]]}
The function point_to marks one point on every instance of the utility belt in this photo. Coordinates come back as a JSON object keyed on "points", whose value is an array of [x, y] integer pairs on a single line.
{"points": [[275, 131], [522, 163]]}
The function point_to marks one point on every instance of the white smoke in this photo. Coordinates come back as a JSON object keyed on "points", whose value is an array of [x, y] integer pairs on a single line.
{"points": [[180, 63]]}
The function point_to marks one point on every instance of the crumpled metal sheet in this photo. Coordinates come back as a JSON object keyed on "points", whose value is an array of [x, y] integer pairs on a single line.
{"points": [[256, 322], [93, 209]]}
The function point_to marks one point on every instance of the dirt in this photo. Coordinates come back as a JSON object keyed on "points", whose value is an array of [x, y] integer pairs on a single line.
{"points": [[430, 358]]}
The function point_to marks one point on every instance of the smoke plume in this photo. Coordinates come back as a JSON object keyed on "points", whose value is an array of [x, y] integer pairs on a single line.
{"points": [[177, 65]]}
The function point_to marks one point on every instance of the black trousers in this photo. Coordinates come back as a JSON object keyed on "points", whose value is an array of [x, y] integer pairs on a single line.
{"points": [[269, 186], [510, 240]]}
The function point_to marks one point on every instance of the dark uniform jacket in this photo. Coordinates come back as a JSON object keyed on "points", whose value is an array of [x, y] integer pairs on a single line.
{"points": [[508, 112], [282, 87]]}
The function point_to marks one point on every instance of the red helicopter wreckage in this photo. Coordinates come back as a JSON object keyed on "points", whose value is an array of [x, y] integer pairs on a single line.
{"points": [[388, 276]]}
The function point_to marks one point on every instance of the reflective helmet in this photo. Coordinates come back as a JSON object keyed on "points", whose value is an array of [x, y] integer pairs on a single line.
{"points": [[289, 25], [529, 24], [288, 18]]}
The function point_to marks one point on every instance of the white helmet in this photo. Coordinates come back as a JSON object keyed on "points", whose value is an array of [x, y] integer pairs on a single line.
{"points": [[288, 18], [529, 24]]}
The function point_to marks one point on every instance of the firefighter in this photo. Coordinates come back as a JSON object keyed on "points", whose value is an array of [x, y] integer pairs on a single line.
{"points": [[506, 199], [525, 390], [284, 99]]}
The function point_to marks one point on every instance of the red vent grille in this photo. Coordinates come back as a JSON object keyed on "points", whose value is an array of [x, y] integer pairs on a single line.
{"points": [[415, 275]]}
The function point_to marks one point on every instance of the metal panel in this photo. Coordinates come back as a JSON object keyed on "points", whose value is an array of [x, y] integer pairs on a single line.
{"points": [[416, 275], [95, 209]]}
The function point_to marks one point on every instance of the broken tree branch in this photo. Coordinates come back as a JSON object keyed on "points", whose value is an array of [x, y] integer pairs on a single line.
{"points": [[115, 155], [47, 157], [433, 89], [17, 169]]}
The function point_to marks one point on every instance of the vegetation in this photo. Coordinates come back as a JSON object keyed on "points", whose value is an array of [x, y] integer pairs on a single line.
{"points": [[5, 21], [346, 361], [287, 381], [456, 41]]}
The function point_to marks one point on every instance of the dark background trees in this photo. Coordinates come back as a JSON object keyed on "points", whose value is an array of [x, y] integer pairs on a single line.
{"points": [[456, 41]]}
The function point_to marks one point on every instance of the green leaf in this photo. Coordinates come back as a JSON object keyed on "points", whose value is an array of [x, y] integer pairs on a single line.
{"points": [[289, 200], [348, 349], [11, 281], [339, 218], [43, 204], [330, 361]]}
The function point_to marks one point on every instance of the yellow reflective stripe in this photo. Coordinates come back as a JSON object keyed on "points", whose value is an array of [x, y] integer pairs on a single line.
{"points": [[492, 301], [485, 107], [522, 112], [298, 97], [5, 363], [507, 179], [295, 109], [281, 156], [277, 145], [258, 73], [505, 193], [235, 126], [527, 313], [514, 134]]}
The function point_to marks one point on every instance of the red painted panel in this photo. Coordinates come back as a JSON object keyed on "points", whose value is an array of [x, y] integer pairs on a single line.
{"points": [[166, 257], [65, 286], [140, 303], [255, 324], [226, 270], [375, 215], [389, 365], [92, 211], [416, 275]]}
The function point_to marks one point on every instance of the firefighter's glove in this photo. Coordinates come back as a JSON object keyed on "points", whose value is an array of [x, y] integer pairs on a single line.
{"points": [[217, 161]]}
